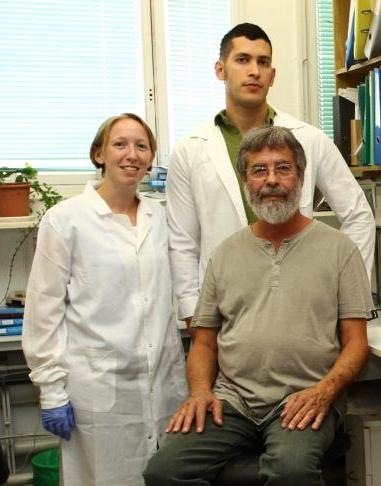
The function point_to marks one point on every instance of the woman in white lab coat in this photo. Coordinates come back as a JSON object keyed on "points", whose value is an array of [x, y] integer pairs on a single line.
{"points": [[99, 333]]}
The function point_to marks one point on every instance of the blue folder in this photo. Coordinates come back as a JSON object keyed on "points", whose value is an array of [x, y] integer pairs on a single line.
{"points": [[11, 331], [377, 116], [9, 312], [372, 112], [11, 322]]}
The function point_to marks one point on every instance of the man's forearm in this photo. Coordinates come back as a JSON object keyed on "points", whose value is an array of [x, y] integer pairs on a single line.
{"points": [[202, 361], [348, 365]]}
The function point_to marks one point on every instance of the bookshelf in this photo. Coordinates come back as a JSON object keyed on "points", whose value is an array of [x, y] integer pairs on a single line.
{"points": [[357, 72], [354, 75]]}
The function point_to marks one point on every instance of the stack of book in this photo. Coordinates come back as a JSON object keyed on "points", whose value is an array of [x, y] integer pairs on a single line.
{"points": [[11, 320], [366, 108], [370, 116], [364, 31]]}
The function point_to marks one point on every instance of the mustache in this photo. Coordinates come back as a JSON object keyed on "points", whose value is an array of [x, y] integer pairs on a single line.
{"points": [[273, 191]]}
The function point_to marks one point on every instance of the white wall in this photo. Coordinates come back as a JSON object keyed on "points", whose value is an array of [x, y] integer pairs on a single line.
{"points": [[290, 25]]}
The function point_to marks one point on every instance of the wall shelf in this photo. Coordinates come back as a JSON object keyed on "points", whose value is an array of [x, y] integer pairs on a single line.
{"points": [[10, 343], [18, 222], [366, 171], [355, 74]]}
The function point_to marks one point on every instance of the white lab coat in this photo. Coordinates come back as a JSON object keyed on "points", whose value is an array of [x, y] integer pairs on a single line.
{"points": [[205, 205], [99, 330]]}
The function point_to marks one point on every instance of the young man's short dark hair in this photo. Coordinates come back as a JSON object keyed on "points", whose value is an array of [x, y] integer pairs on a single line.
{"points": [[250, 31]]}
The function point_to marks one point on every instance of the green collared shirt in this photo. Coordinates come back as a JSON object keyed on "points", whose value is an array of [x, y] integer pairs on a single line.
{"points": [[233, 140]]}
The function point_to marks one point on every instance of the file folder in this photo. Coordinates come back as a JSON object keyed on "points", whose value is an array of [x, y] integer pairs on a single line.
{"points": [[355, 141], [11, 312], [377, 116], [373, 41], [343, 113], [364, 117], [349, 45], [372, 142], [11, 331], [363, 18], [11, 322], [366, 133]]}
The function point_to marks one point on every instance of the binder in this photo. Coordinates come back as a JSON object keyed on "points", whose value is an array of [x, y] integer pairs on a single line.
{"points": [[10, 322], [372, 143], [11, 312], [363, 18], [11, 331], [366, 132], [373, 41], [364, 117], [343, 113], [349, 45], [355, 141], [377, 116]]}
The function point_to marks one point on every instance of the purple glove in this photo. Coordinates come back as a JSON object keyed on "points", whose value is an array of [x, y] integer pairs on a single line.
{"points": [[59, 420]]}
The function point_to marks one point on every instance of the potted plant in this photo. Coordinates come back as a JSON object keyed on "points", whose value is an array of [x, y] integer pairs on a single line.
{"points": [[18, 186]]}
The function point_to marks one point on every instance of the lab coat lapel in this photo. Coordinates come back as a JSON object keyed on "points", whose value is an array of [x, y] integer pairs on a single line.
{"points": [[219, 157]]}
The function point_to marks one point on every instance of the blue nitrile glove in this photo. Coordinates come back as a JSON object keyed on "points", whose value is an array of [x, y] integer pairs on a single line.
{"points": [[59, 420]]}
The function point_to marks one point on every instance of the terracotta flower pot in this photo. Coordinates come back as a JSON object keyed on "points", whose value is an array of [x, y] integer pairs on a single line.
{"points": [[14, 199]]}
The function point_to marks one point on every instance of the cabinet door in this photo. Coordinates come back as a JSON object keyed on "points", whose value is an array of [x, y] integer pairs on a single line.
{"points": [[355, 457], [374, 431]]}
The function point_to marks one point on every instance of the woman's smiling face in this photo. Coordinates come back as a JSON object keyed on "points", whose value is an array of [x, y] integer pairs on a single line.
{"points": [[127, 154]]}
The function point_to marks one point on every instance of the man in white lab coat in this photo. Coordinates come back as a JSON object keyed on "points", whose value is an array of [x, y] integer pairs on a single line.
{"points": [[206, 203]]}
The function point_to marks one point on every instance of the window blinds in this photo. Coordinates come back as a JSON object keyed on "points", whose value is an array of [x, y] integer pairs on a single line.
{"points": [[194, 32], [64, 68], [327, 87]]}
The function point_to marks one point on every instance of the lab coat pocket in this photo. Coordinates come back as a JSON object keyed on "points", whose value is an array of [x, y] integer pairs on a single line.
{"points": [[91, 384]]}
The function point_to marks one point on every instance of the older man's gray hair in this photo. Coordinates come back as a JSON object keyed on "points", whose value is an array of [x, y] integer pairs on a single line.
{"points": [[273, 138]]}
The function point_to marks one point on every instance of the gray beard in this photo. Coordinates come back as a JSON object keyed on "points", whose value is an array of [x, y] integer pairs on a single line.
{"points": [[275, 212]]}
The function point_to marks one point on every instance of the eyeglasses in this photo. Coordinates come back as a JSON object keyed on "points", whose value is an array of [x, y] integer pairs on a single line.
{"points": [[261, 171]]}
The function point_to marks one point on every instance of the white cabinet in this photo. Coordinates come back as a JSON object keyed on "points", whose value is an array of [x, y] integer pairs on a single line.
{"points": [[363, 460], [372, 451]]}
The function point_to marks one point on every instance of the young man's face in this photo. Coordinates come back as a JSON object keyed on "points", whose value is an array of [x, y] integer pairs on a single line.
{"points": [[247, 72]]}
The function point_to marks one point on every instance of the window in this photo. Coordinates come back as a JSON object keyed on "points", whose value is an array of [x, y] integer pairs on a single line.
{"points": [[66, 66], [194, 93], [326, 58]]}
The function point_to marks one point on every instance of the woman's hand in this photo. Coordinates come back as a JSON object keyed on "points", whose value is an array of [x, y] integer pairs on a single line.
{"points": [[59, 420]]}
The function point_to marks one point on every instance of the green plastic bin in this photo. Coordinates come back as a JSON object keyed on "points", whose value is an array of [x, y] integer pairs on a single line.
{"points": [[46, 468]]}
